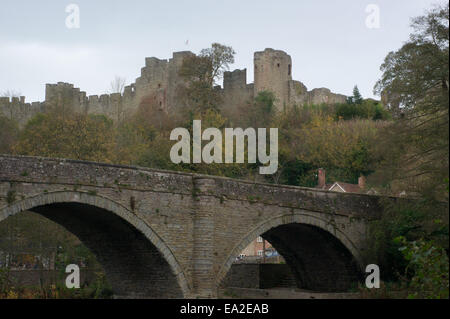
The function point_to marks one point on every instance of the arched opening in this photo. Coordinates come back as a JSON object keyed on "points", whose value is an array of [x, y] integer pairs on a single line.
{"points": [[34, 254], [128, 250], [315, 258]]}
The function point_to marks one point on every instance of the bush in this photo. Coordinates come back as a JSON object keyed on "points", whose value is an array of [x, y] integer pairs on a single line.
{"points": [[429, 264], [368, 109]]}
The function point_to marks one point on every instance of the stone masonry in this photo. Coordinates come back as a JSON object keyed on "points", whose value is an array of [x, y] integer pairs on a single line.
{"points": [[160, 81], [173, 234]]}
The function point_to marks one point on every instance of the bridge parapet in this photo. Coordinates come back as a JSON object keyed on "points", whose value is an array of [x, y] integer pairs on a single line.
{"points": [[72, 172]]}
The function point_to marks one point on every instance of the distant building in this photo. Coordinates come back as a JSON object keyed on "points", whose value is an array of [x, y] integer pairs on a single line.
{"points": [[341, 186], [159, 85], [260, 250]]}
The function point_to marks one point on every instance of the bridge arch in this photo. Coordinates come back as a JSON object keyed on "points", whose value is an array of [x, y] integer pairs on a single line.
{"points": [[94, 220], [283, 232]]}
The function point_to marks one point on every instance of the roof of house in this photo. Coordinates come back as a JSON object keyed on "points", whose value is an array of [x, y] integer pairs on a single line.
{"points": [[344, 187], [347, 187]]}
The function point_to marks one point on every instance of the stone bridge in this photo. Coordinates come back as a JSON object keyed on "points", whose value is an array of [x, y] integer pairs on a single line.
{"points": [[175, 235]]}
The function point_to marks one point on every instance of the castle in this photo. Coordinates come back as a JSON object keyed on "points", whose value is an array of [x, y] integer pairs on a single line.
{"points": [[160, 80]]}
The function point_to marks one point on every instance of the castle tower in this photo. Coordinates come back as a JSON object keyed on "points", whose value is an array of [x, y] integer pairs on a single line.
{"points": [[273, 71], [65, 96]]}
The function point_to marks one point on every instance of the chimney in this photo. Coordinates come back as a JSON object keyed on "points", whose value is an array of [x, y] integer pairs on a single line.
{"points": [[321, 174], [362, 182]]}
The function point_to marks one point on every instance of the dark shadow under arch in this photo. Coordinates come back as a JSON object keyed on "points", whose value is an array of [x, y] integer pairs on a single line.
{"points": [[317, 259], [135, 267], [320, 257]]}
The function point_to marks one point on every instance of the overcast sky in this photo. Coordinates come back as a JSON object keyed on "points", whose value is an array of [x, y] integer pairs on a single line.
{"points": [[328, 40]]}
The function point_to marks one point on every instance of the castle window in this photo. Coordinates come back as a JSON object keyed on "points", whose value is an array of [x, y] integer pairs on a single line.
{"points": [[160, 103], [289, 69], [278, 64], [159, 85]]}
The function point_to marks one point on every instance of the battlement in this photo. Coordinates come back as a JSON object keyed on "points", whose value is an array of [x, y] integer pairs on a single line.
{"points": [[16, 109], [160, 81], [180, 55], [269, 52], [235, 79], [14, 99]]}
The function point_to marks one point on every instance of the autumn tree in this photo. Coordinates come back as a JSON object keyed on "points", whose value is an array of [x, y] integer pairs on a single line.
{"points": [[260, 112], [8, 134], [416, 79], [344, 148], [201, 73], [414, 150], [78, 136], [220, 57]]}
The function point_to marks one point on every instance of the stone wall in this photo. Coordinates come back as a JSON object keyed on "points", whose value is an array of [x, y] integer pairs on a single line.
{"points": [[159, 84], [16, 109], [259, 276], [273, 71]]}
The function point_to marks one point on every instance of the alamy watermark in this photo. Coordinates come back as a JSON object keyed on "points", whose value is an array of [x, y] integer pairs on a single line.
{"points": [[212, 151], [73, 19], [73, 279], [373, 279], [373, 17]]}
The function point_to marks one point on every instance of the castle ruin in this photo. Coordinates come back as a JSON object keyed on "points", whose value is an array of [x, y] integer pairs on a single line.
{"points": [[160, 80]]}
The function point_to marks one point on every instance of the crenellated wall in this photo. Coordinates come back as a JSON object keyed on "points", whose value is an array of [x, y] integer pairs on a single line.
{"points": [[16, 109], [160, 82], [236, 91]]}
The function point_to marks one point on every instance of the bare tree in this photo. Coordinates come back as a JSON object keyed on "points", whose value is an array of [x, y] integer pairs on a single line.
{"points": [[117, 85], [10, 93]]}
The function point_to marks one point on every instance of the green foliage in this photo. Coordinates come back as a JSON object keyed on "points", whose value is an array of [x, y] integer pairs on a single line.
{"points": [[366, 109], [9, 133], [297, 172], [220, 57], [429, 264], [412, 220], [201, 72], [75, 136], [356, 98], [415, 87]]}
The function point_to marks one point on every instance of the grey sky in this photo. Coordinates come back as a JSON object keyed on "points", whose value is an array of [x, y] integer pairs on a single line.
{"points": [[328, 40]]}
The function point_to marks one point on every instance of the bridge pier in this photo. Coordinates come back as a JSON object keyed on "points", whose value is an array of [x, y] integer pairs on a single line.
{"points": [[203, 254]]}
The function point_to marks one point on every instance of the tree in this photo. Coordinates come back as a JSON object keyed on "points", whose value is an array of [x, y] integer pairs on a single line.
{"points": [[414, 148], [260, 112], [8, 134], [415, 85], [11, 93], [201, 73], [221, 56], [75, 136], [117, 85], [345, 148], [357, 98]]}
